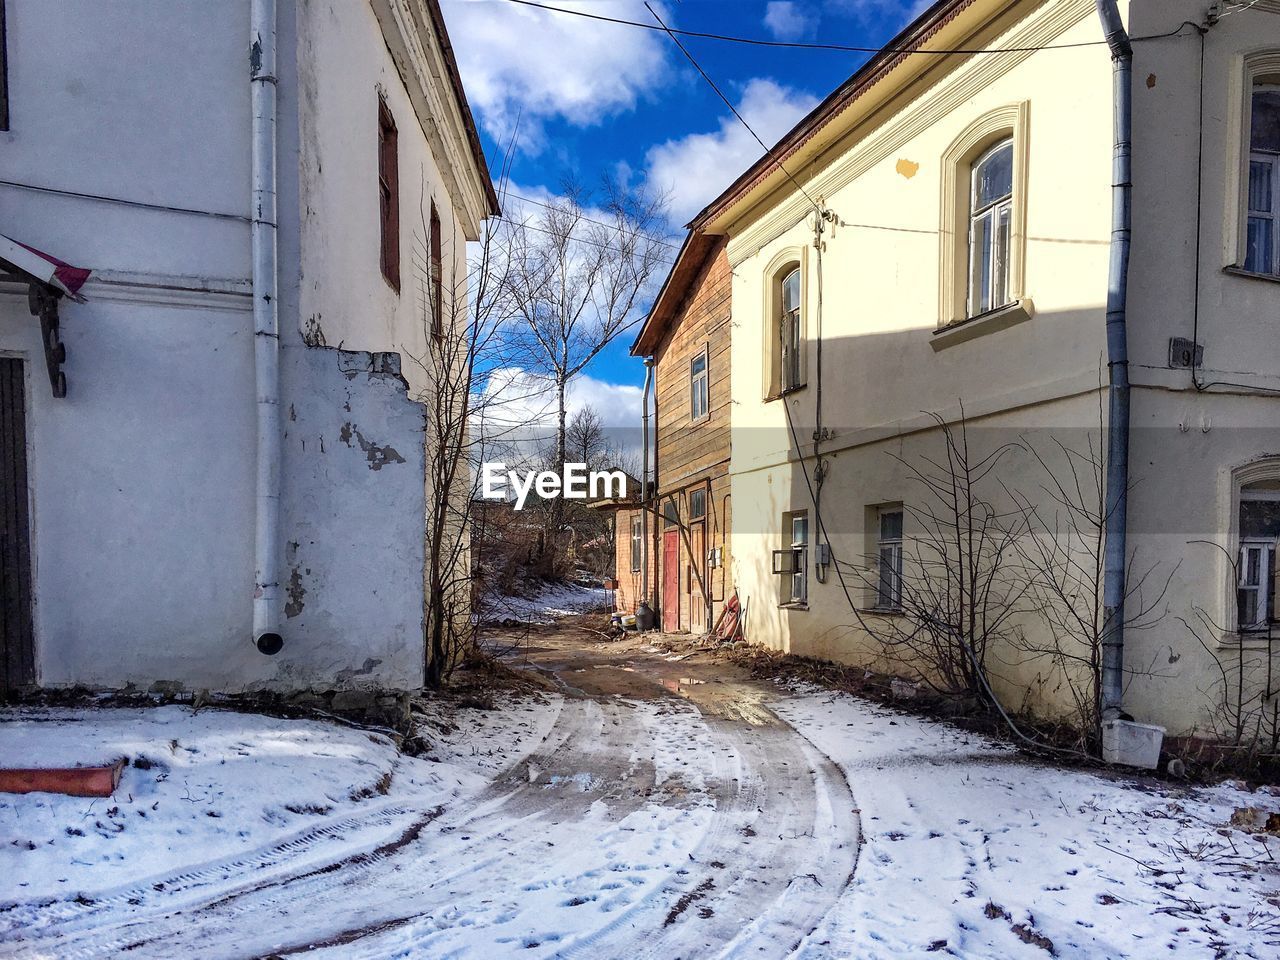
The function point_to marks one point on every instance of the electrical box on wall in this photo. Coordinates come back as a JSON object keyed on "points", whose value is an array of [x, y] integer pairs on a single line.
{"points": [[715, 556], [824, 554]]}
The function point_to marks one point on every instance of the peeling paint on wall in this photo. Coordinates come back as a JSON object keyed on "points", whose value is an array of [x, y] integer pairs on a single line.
{"points": [[378, 456], [296, 593], [907, 168]]}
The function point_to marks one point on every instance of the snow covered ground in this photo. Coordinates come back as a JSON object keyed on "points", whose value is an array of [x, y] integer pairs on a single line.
{"points": [[820, 826], [552, 602], [970, 850]]}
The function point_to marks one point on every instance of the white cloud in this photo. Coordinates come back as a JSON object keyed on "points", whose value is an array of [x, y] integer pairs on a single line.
{"points": [[693, 170], [520, 406], [786, 20], [883, 13], [536, 65]]}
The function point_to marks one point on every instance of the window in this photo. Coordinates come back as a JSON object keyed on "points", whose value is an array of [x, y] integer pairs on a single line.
{"points": [[437, 276], [790, 334], [670, 514], [990, 219], [1259, 521], [982, 227], [1262, 251], [697, 504], [800, 557], [698, 399], [389, 195], [637, 542], [792, 562], [889, 559]]}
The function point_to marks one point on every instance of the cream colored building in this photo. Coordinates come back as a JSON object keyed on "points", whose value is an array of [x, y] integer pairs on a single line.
{"points": [[964, 263]]}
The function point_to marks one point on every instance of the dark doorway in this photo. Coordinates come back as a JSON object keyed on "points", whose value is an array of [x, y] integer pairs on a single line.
{"points": [[17, 643]]}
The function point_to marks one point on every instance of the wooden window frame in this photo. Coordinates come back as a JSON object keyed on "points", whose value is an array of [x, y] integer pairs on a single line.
{"points": [[782, 266], [703, 380], [388, 195], [995, 218], [437, 274], [637, 543]]}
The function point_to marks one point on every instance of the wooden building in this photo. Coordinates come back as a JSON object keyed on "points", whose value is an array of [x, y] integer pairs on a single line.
{"points": [[687, 333]]}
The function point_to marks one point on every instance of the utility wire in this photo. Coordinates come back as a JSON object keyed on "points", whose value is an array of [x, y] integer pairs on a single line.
{"points": [[734, 110], [580, 216], [128, 203], [835, 47]]}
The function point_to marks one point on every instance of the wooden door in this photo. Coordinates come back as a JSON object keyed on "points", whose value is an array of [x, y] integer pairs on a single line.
{"points": [[671, 580], [17, 644], [697, 577]]}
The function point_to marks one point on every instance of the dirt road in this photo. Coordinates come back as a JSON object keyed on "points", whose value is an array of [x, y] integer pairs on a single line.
{"points": [[665, 812]]}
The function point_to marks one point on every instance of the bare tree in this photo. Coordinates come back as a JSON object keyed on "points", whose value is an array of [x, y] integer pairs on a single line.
{"points": [[574, 277], [462, 318], [1061, 558], [954, 587]]}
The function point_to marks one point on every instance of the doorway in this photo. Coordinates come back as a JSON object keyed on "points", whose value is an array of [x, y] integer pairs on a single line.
{"points": [[17, 641]]}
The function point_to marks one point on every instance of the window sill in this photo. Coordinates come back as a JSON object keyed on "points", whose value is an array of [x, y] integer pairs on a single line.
{"points": [[793, 606], [1248, 640], [992, 321], [785, 393], [883, 611], [1235, 271]]}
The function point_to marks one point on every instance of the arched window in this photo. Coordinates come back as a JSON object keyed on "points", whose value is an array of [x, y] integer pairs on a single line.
{"points": [[790, 332], [1262, 249], [990, 219], [1259, 528]]}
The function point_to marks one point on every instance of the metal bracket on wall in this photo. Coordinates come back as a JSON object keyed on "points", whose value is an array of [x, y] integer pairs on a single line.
{"points": [[43, 303]]}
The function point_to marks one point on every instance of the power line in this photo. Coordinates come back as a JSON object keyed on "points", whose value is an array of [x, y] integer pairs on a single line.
{"points": [[101, 198], [552, 233], [834, 47], [734, 110], [581, 216]]}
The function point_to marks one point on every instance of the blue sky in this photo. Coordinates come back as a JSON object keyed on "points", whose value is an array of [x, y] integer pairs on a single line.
{"points": [[595, 98]]}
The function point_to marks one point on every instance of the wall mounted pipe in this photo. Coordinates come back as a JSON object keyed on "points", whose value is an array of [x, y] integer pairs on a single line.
{"points": [[266, 323]]}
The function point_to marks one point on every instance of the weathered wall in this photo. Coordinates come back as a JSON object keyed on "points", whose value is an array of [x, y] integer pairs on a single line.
{"points": [[353, 509]]}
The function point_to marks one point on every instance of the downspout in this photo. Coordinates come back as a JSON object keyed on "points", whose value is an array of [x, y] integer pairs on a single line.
{"points": [[644, 485], [1117, 473], [266, 328]]}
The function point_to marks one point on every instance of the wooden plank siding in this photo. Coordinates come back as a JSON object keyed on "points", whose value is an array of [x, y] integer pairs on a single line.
{"points": [[694, 455]]}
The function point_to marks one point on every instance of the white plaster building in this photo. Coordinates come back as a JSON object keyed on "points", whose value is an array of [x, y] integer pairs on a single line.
{"points": [[131, 505]]}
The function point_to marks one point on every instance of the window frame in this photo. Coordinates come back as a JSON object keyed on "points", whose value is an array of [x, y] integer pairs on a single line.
{"points": [[437, 273], [637, 543], [388, 195], [783, 265], [701, 380], [792, 561], [893, 601], [1009, 122], [997, 217], [695, 515], [1256, 68]]}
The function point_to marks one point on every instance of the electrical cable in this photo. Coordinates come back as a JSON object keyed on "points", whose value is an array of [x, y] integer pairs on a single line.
{"points": [[835, 47]]}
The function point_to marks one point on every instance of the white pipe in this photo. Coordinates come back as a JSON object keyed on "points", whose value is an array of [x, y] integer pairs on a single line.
{"points": [[266, 326]]}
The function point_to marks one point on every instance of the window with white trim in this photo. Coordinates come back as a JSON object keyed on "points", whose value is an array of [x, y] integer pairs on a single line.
{"points": [[792, 561], [1259, 527], [699, 386], [889, 559], [990, 228], [1262, 244], [790, 333]]}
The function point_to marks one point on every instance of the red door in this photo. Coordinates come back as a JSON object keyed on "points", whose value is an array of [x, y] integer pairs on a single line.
{"points": [[671, 581]]}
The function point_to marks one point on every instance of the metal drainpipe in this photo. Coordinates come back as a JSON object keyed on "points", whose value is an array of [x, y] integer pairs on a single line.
{"points": [[262, 79], [644, 483], [1117, 492]]}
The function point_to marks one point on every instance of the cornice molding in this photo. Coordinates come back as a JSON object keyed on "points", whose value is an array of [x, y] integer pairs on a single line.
{"points": [[898, 128]]}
